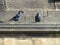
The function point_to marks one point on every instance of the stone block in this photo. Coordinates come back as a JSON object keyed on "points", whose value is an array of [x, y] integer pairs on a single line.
{"points": [[53, 16], [48, 41], [1, 41], [23, 42], [18, 4], [9, 41]]}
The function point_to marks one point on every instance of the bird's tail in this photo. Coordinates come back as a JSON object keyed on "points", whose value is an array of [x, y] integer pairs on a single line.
{"points": [[11, 19]]}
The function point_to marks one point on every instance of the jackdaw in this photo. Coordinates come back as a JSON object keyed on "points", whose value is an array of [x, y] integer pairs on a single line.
{"points": [[37, 17], [18, 15]]}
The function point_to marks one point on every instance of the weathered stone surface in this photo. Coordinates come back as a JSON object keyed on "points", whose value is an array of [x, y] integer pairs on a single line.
{"points": [[1, 41], [23, 42], [54, 16], [33, 41], [17, 4], [9, 41]]}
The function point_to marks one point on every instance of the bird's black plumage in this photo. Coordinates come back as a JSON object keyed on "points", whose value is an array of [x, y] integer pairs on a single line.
{"points": [[18, 15], [37, 18], [15, 18]]}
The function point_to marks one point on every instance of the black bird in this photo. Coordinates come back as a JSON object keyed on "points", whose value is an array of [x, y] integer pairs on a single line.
{"points": [[18, 15], [37, 18]]}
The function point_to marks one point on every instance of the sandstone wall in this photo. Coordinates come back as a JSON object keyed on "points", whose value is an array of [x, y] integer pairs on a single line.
{"points": [[26, 40], [30, 8], [18, 4]]}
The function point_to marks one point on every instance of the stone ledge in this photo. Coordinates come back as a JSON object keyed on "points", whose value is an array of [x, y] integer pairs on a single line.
{"points": [[29, 27]]}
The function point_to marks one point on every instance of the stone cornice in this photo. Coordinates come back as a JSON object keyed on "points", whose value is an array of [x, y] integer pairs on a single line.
{"points": [[29, 27]]}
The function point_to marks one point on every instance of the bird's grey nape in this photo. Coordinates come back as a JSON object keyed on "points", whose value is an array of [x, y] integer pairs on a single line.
{"points": [[20, 11]]}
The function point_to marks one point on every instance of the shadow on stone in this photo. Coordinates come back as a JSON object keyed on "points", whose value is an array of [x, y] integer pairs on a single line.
{"points": [[1, 22], [51, 1]]}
